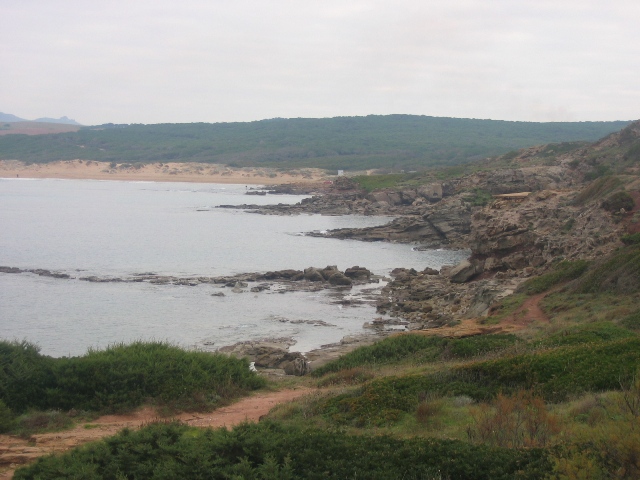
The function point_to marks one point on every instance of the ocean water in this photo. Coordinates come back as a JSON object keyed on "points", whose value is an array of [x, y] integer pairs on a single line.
{"points": [[107, 228]]}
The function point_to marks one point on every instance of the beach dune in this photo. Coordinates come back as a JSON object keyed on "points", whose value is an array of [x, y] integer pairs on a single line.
{"points": [[157, 172]]}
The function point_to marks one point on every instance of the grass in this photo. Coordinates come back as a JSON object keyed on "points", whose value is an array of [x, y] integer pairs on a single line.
{"points": [[377, 182], [563, 272], [416, 349]]}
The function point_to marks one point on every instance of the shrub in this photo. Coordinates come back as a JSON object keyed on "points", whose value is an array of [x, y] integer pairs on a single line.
{"points": [[417, 348], [6, 418], [120, 377], [553, 374], [268, 450], [391, 349], [377, 182], [25, 375], [478, 197], [560, 372], [515, 421], [428, 409], [478, 345], [631, 239], [124, 376], [613, 203]]}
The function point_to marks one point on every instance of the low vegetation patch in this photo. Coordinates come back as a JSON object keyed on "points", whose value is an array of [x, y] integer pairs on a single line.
{"points": [[119, 378], [589, 333], [619, 273], [598, 189], [272, 451], [478, 197], [563, 272], [377, 182], [417, 349], [554, 374]]}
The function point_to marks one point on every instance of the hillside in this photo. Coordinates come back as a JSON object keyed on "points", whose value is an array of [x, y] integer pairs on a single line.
{"points": [[393, 142]]}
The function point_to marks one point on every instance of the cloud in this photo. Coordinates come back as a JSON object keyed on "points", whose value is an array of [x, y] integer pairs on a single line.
{"points": [[158, 61]]}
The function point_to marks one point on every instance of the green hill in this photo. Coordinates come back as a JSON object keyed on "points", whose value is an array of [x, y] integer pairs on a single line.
{"points": [[392, 142]]}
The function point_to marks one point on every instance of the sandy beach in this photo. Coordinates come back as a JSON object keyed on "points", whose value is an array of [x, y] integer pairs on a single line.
{"points": [[158, 172]]}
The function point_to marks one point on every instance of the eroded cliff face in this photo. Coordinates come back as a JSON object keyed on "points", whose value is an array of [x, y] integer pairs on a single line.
{"points": [[543, 228]]}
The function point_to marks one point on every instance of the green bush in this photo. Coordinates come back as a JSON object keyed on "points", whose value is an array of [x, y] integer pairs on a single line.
{"points": [[616, 201], [25, 375], [561, 372], [377, 182], [631, 239], [389, 350], [6, 418], [563, 272], [555, 374], [478, 197], [418, 349], [120, 377], [272, 451], [479, 345]]}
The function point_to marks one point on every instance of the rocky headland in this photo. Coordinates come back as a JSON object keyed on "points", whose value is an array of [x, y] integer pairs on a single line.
{"points": [[519, 215]]}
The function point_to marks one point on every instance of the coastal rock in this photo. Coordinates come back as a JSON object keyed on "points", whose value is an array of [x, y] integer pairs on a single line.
{"points": [[270, 354], [312, 274], [465, 271], [340, 279], [358, 273], [294, 364]]}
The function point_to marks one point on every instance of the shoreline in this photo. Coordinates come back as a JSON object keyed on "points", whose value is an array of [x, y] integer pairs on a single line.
{"points": [[158, 172]]}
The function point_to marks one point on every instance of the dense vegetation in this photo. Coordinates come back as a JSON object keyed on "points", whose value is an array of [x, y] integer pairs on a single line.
{"points": [[276, 452], [392, 142], [119, 378]]}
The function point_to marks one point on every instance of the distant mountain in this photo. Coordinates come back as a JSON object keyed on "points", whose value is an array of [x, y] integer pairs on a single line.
{"points": [[7, 117], [65, 120]]}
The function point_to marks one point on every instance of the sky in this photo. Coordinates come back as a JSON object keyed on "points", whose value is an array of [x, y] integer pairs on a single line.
{"points": [[158, 61]]}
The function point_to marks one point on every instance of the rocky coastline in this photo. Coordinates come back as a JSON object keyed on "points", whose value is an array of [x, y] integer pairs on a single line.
{"points": [[517, 221]]}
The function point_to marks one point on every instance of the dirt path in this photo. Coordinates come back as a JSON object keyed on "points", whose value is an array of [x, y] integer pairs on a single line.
{"points": [[16, 451], [524, 316], [528, 312]]}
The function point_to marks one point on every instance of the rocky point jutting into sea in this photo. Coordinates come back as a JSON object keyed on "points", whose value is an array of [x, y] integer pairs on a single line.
{"points": [[519, 216]]}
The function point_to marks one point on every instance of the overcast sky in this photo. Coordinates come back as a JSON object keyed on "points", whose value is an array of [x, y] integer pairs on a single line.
{"points": [[153, 61]]}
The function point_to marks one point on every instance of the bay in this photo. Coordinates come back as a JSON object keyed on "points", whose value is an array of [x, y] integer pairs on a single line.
{"points": [[109, 228]]}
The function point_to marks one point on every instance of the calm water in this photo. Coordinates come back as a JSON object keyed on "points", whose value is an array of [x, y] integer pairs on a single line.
{"points": [[84, 227]]}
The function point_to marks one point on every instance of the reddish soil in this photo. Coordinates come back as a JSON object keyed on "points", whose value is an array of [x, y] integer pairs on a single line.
{"points": [[524, 316], [15, 451], [528, 313]]}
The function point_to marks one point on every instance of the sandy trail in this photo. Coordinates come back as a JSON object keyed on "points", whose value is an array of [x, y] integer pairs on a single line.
{"points": [[15, 452]]}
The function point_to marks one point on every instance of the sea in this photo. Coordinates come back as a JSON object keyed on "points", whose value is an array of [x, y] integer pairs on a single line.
{"points": [[119, 229]]}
